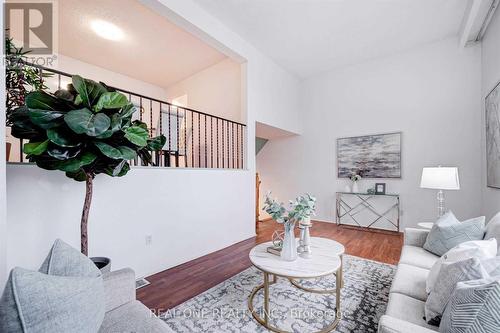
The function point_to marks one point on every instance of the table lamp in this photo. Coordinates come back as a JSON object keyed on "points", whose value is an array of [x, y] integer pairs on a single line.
{"points": [[440, 178]]}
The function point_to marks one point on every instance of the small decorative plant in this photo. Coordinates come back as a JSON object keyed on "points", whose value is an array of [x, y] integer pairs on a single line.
{"points": [[83, 131], [302, 208]]}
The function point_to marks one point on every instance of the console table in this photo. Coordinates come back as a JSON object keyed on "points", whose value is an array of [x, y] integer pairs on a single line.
{"points": [[371, 211]]}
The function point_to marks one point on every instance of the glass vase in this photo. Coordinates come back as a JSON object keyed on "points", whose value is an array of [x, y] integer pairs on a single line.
{"points": [[289, 248]]}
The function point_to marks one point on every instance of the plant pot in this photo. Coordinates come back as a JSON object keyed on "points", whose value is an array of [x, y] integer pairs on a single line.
{"points": [[355, 187], [8, 145], [103, 263]]}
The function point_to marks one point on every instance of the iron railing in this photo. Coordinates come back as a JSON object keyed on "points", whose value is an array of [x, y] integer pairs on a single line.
{"points": [[194, 139]]}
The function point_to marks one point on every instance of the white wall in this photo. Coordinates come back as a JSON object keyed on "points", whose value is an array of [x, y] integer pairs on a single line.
{"points": [[215, 90], [45, 205], [431, 94], [3, 194], [490, 77], [189, 212]]}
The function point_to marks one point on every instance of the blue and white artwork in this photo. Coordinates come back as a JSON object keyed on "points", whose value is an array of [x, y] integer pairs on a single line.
{"points": [[371, 156], [493, 138]]}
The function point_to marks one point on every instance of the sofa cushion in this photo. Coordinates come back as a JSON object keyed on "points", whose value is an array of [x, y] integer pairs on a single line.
{"points": [[408, 309], [448, 277], [483, 249], [448, 232], [493, 229], [473, 307], [37, 302], [64, 260], [410, 280], [132, 317], [417, 256]]}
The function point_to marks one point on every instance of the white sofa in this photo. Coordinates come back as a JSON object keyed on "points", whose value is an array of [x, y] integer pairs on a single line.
{"points": [[405, 310]]}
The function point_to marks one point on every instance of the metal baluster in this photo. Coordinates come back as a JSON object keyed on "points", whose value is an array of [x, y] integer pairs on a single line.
{"points": [[177, 141], [222, 139], [58, 81], [228, 148], [217, 139], [140, 108], [238, 145], [232, 142], [211, 143], [199, 141], [192, 140], [185, 139], [205, 121]]}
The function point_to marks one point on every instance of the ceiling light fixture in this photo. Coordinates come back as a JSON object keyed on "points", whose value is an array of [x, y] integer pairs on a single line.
{"points": [[107, 30]]}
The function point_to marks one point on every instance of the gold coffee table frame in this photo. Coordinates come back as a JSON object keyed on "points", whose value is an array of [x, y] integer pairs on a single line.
{"points": [[339, 284]]}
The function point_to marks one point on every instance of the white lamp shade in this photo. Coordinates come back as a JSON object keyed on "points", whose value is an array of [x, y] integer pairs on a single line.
{"points": [[440, 178]]}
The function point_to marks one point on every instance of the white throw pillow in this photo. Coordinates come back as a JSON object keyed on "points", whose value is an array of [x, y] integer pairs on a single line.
{"points": [[482, 249]]}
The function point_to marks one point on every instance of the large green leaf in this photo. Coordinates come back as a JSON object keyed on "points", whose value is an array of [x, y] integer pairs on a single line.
{"points": [[137, 135], [88, 90], [79, 176], [111, 100], [61, 137], [85, 122], [23, 127], [62, 153], [74, 164], [119, 170], [121, 152], [41, 100], [156, 143], [128, 110], [115, 126], [64, 94], [35, 148], [46, 118]]}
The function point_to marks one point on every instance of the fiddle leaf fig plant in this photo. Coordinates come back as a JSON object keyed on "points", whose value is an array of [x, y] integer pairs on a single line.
{"points": [[83, 131]]}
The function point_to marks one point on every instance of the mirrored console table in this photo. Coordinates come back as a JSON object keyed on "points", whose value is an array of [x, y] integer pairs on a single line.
{"points": [[371, 211]]}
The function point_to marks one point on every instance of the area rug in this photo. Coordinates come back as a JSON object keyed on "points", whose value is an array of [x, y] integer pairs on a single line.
{"points": [[224, 308]]}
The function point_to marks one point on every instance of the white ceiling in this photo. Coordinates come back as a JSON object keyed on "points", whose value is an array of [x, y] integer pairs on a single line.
{"points": [[307, 37], [154, 50]]}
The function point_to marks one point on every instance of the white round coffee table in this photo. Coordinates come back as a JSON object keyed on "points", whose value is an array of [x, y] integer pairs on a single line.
{"points": [[326, 260]]}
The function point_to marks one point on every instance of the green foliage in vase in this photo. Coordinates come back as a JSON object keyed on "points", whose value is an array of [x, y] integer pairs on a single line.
{"points": [[300, 209]]}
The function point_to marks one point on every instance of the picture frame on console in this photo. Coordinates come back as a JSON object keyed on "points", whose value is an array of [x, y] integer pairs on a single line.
{"points": [[492, 130]]}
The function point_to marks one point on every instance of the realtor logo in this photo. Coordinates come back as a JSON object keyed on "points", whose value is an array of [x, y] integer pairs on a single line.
{"points": [[32, 25]]}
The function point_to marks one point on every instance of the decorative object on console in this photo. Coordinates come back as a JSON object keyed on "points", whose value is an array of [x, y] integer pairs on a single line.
{"points": [[492, 109], [304, 248], [370, 191], [380, 188], [440, 178], [373, 156], [448, 232], [355, 178], [300, 209]]}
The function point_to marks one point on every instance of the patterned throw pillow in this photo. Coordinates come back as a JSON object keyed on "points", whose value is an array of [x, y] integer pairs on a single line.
{"points": [[449, 275], [473, 307], [481, 249], [448, 232]]}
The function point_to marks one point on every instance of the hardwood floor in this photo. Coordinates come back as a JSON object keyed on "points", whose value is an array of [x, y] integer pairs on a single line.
{"points": [[178, 284]]}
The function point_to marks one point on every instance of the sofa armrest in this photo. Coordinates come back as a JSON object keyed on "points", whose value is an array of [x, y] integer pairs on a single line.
{"points": [[119, 288], [388, 324], [415, 237]]}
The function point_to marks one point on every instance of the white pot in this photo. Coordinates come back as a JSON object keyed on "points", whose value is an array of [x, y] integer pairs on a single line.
{"points": [[355, 188]]}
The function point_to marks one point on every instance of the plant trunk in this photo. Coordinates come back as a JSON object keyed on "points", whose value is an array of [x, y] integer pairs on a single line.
{"points": [[85, 215]]}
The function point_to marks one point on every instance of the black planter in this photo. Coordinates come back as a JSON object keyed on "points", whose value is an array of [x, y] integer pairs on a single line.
{"points": [[103, 263]]}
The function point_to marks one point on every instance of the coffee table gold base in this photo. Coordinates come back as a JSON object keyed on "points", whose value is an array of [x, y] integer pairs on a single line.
{"points": [[265, 321]]}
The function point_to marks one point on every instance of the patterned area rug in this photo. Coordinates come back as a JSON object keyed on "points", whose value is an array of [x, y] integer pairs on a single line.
{"points": [[224, 307]]}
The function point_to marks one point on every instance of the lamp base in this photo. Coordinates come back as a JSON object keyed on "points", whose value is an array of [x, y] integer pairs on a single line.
{"points": [[440, 199]]}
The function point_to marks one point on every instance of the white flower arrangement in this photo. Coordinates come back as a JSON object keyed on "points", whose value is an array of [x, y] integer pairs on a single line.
{"points": [[302, 208]]}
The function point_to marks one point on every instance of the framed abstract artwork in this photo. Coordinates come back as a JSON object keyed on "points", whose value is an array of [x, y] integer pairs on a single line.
{"points": [[371, 156], [492, 108]]}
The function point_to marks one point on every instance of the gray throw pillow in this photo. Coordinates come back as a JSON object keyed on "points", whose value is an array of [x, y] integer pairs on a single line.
{"points": [[64, 260], [473, 308], [45, 303], [448, 232], [51, 300], [448, 277]]}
